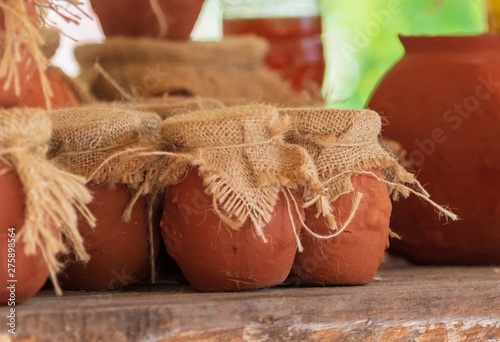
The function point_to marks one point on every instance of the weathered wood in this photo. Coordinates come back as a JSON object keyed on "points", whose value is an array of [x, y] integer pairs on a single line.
{"points": [[404, 304]]}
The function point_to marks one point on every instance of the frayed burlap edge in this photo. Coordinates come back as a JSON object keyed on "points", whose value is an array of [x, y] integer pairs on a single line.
{"points": [[169, 167], [399, 181]]}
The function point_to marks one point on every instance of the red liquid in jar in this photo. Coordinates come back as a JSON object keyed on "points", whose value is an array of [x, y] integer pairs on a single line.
{"points": [[296, 50]]}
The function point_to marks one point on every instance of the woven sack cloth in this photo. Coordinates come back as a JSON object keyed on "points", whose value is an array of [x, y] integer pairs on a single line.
{"points": [[52, 197], [345, 142], [244, 53], [172, 105], [241, 157], [231, 71], [84, 138]]}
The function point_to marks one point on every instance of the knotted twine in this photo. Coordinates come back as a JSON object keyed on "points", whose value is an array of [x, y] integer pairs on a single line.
{"points": [[52, 196], [343, 143], [84, 138]]}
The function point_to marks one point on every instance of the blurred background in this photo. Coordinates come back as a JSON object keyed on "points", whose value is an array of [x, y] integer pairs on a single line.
{"points": [[360, 38]]}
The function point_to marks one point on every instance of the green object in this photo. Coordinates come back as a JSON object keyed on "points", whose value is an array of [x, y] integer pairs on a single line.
{"points": [[362, 44]]}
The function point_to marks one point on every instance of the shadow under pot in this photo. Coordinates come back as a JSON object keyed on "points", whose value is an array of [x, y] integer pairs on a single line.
{"points": [[214, 257], [30, 272], [354, 256], [119, 251]]}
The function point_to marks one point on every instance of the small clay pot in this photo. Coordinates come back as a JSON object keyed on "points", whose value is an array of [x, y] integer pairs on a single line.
{"points": [[34, 97], [119, 251], [212, 256], [31, 272], [354, 256], [136, 17]]}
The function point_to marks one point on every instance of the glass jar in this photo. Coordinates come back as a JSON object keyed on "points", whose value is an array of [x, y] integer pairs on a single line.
{"points": [[293, 30]]}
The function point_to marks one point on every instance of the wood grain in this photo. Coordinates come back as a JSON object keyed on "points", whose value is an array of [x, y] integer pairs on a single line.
{"points": [[405, 303]]}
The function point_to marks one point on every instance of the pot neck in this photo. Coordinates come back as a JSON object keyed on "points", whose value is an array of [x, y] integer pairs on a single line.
{"points": [[446, 44]]}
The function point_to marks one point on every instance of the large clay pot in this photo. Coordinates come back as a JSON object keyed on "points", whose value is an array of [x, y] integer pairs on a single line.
{"points": [[354, 256], [31, 272], [119, 251], [214, 257], [442, 101], [137, 18]]}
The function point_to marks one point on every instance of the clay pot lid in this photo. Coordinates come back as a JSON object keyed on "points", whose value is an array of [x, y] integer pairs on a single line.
{"points": [[24, 127], [219, 127], [464, 44]]}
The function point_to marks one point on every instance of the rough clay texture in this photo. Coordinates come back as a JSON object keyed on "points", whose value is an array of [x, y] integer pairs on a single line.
{"points": [[119, 251], [213, 256], [354, 256]]}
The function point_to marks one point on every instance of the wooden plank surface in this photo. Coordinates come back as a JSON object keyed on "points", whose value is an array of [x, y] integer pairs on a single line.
{"points": [[405, 303]]}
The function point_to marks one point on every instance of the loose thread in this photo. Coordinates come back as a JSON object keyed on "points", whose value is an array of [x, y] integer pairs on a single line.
{"points": [[357, 201], [297, 237], [115, 84], [160, 16], [151, 205], [441, 209]]}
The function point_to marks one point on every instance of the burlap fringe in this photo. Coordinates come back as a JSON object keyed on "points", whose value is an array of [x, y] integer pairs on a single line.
{"points": [[359, 134], [52, 198]]}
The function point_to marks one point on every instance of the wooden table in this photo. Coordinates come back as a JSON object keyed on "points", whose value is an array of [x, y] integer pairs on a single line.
{"points": [[404, 303]]}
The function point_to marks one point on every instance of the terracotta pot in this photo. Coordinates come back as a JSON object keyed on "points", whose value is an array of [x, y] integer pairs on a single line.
{"points": [[26, 67], [31, 272], [136, 17], [354, 256], [214, 257], [119, 251], [34, 97], [442, 101]]}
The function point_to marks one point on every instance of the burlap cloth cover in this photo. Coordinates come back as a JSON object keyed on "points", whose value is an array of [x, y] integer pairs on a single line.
{"points": [[241, 158], [52, 197], [85, 137], [343, 143], [93, 142], [231, 70]]}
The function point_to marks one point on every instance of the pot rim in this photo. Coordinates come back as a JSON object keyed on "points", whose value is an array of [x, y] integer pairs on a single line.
{"points": [[460, 43]]}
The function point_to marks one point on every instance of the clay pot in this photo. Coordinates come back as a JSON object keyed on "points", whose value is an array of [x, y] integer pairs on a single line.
{"points": [[354, 256], [34, 97], [214, 257], [26, 67], [442, 101], [31, 272], [136, 17], [119, 251]]}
